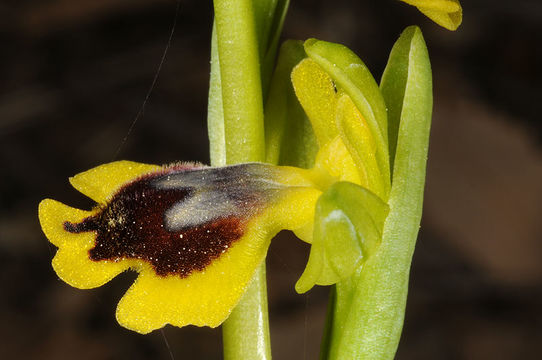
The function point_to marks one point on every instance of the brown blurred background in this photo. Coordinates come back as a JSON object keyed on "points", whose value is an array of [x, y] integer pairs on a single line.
{"points": [[73, 75]]}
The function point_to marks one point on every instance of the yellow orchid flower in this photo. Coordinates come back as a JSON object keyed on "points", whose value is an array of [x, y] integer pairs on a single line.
{"points": [[446, 13], [194, 233]]}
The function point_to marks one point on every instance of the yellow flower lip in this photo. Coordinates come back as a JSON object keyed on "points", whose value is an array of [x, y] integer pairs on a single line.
{"points": [[163, 220], [195, 235]]}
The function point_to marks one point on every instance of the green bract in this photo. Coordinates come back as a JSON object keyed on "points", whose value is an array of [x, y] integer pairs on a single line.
{"points": [[367, 311]]}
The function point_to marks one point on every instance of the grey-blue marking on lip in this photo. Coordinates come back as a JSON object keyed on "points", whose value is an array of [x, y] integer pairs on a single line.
{"points": [[217, 193]]}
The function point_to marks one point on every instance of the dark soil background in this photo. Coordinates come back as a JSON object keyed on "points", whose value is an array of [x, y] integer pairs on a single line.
{"points": [[73, 75]]}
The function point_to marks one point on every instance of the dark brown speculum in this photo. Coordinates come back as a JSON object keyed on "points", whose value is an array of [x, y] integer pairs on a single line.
{"points": [[178, 221]]}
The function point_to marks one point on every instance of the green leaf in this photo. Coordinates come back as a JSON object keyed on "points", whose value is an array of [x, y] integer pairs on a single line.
{"points": [[369, 308], [394, 84], [269, 17], [264, 13], [353, 77], [289, 136], [347, 229]]}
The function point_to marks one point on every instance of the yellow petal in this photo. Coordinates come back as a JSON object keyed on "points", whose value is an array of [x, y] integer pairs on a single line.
{"points": [[446, 13], [316, 92], [358, 139], [71, 262], [101, 182]]}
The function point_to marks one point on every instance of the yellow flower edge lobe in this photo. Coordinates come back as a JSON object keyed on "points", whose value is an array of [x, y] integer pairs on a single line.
{"points": [[71, 262], [101, 182]]}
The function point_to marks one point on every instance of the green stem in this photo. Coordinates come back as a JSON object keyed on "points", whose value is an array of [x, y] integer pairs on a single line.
{"points": [[240, 138], [240, 81], [246, 332]]}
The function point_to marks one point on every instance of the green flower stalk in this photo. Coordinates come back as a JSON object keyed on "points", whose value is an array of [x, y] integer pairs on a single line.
{"points": [[245, 35]]}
